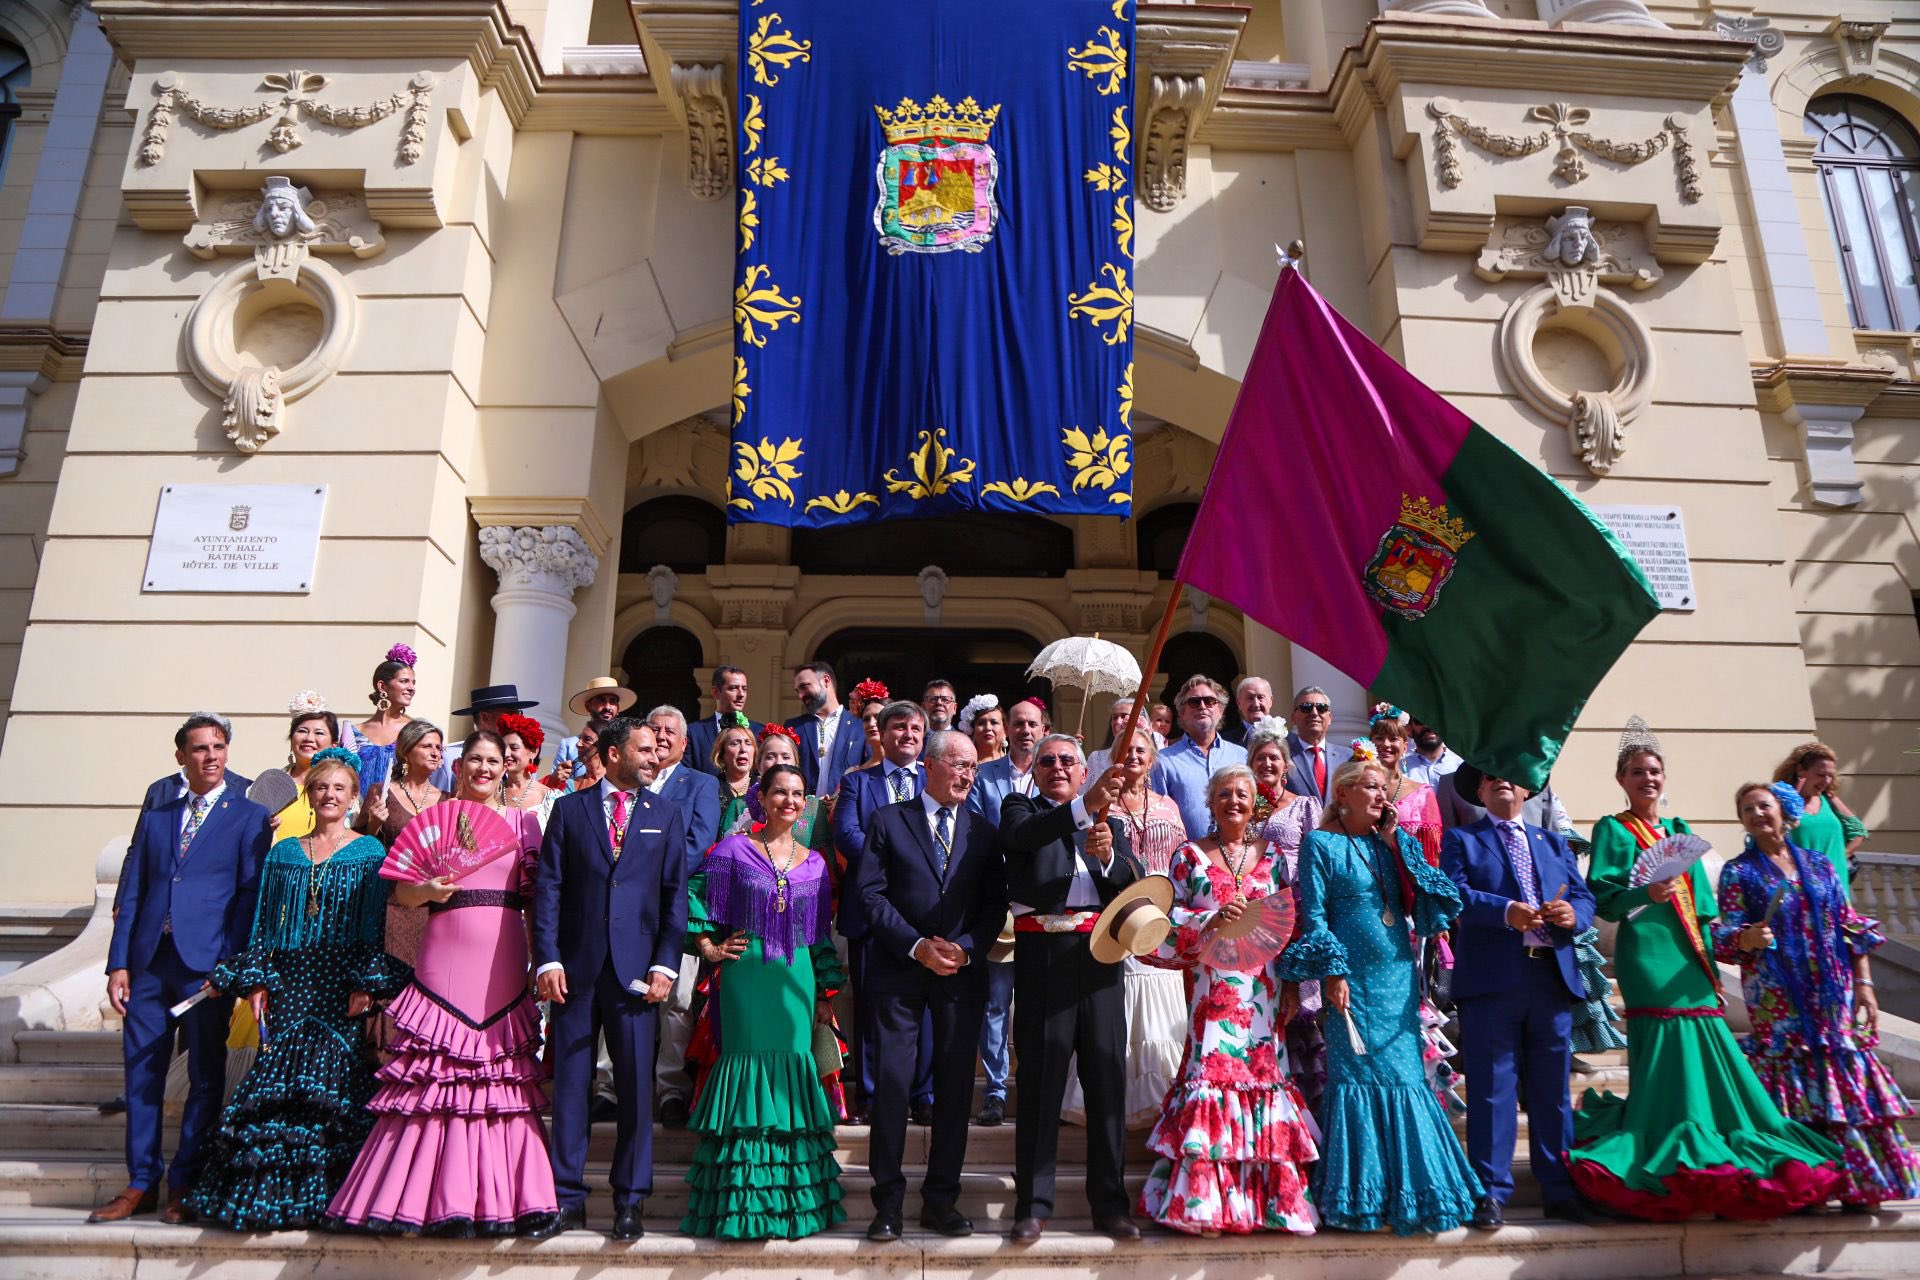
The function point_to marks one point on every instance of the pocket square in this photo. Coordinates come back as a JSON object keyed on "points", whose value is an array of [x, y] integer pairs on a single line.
{"points": [[650, 831], [637, 985]]}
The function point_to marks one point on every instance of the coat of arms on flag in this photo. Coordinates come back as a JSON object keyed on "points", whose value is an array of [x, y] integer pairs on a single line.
{"points": [[936, 177], [1415, 558]]}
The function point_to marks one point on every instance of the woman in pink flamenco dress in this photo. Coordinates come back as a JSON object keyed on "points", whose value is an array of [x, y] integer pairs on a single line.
{"points": [[458, 1147]]}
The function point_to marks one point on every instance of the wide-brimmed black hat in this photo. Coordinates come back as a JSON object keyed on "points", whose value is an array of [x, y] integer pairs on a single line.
{"points": [[496, 697], [1467, 780]]}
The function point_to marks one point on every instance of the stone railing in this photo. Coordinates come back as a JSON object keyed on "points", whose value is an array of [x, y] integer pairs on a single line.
{"points": [[66, 990], [1887, 887]]}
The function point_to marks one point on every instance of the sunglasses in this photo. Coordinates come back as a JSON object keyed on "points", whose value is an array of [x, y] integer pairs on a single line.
{"points": [[1057, 762], [1313, 708], [1203, 702]]}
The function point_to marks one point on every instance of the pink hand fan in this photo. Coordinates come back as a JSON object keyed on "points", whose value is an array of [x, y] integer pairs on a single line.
{"points": [[1246, 944], [453, 838]]}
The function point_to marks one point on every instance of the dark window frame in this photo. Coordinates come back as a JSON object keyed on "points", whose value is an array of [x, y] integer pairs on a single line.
{"points": [[1825, 118]]}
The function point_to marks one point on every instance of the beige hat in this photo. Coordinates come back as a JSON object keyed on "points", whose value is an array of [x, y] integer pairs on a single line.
{"points": [[599, 685], [1002, 949], [1135, 922]]}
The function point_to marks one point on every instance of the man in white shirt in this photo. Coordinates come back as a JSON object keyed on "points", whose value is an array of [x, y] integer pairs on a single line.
{"points": [[831, 740], [1253, 697], [1183, 769]]}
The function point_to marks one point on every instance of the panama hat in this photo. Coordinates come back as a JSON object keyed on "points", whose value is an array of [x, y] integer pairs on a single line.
{"points": [[1135, 922], [599, 685], [1002, 949]]}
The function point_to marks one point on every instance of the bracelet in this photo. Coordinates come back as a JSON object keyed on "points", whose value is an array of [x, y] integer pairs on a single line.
{"points": [[1863, 982]]}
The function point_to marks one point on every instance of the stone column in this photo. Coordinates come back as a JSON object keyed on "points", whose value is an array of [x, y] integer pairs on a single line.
{"points": [[1270, 657], [540, 569], [1343, 691]]}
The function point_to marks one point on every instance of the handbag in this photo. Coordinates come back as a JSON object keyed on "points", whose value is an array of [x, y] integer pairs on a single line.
{"points": [[1440, 971], [827, 1058]]}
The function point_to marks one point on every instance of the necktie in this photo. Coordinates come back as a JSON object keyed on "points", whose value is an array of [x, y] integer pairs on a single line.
{"points": [[617, 828], [902, 785], [195, 816], [1319, 770], [1523, 871], [943, 833]]}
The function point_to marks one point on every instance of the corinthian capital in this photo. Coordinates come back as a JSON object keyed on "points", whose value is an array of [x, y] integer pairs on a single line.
{"points": [[552, 558]]}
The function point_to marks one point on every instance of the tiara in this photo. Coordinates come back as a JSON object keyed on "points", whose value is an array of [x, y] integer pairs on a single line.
{"points": [[1638, 737]]}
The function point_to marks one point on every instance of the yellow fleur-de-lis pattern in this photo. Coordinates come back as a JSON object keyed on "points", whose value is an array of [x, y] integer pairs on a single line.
{"points": [[767, 49], [1105, 55], [936, 468], [764, 305], [1110, 303], [768, 472]]}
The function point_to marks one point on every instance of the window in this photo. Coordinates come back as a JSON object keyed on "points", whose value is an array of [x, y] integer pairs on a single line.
{"points": [[1869, 164], [15, 72], [684, 534], [660, 664], [981, 544], [1161, 537]]}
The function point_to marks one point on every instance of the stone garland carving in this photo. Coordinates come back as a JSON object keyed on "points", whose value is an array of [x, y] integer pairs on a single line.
{"points": [[1576, 258], [554, 559], [1563, 121], [703, 90], [296, 88], [1171, 104], [1758, 32]]}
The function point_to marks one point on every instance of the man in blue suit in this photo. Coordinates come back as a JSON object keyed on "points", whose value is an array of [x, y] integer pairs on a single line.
{"points": [[1311, 758], [1516, 983], [729, 698], [697, 797], [899, 777], [832, 741], [609, 924], [185, 899]]}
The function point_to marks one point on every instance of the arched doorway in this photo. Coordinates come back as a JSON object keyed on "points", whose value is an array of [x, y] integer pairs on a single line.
{"points": [[1198, 653], [905, 658], [660, 664]]}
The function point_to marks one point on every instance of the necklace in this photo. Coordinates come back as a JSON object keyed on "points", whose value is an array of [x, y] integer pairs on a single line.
{"points": [[1387, 914], [780, 870], [313, 874], [413, 796], [1136, 823], [1238, 868]]}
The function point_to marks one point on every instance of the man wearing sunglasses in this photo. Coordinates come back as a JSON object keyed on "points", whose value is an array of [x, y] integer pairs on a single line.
{"points": [[1184, 768], [1312, 758], [1063, 866]]}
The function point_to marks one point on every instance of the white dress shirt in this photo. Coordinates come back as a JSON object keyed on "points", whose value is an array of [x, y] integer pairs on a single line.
{"points": [[1081, 894], [607, 791], [829, 730], [186, 809]]}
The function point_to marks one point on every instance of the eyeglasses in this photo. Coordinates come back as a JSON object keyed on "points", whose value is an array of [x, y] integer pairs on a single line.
{"points": [[969, 767], [1203, 702], [1057, 762], [1313, 708]]}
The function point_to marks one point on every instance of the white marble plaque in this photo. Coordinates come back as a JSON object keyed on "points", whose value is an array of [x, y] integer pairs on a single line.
{"points": [[253, 538], [1656, 537]]}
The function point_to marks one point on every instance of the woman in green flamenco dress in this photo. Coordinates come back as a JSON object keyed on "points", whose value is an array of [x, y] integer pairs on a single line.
{"points": [[760, 912], [1696, 1133]]}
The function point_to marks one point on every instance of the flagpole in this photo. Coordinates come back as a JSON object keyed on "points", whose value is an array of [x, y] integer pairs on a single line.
{"points": [[1140, 698]]}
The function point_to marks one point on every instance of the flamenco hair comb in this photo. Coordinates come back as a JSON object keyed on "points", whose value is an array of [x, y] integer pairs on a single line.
{"points": [[404, 655], [1792, 806], [870, 691], [1638, 737], [780, 731], [1386, 711], [527, 727], [975, 705], [344, 756], [306, 702], [1363, 749], [734, 720]]}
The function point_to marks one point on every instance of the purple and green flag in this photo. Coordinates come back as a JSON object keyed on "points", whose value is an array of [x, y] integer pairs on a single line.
{"points": [[1356, 512]]}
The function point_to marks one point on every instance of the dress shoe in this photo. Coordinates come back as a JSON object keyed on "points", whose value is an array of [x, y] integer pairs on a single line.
{"points": [[884, 1229], [602, 1110], [626, 1223], [1487, 1215], [114, 1106], [674, 1113], [178, 1213], [993, 1113], [571, 1218], [1572, 1211], [1118, 1225], [920, 1113], [946, 1220], [1027, 1230], [123, 1206]]}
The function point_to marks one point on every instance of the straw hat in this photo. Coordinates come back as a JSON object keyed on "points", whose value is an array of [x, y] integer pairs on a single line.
{"points": [[599, 685], [1135, 922], [1002, 949]]}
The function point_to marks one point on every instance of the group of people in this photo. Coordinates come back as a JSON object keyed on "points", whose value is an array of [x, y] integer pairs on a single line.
{"points": [[1249, 942]]}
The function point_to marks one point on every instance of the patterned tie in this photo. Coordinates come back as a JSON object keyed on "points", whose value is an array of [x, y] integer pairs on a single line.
{"points": [[902, 785], [617, 828], [195, 816], [1523, 871], [1319, 770], [943, 834]]}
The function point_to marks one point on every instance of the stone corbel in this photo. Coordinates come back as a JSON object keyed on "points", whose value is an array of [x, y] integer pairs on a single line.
{"points": [[696, 44], [1758, 32], [1859, 43], [1822, 401], [1182, 54], [708, 108]]}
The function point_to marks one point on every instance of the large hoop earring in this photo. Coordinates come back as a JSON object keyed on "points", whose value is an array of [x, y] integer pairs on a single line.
{"points": [[380, 704]]}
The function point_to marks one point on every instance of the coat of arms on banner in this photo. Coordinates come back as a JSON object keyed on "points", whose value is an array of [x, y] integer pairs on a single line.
{"points": [[936, 177], [1415, 558]]}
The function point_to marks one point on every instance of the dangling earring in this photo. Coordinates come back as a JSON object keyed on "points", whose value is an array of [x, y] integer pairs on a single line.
{"points": [[1213, 828], [381, 704], [1344, 811]]}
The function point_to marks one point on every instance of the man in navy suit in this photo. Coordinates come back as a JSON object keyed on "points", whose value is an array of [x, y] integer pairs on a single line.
{"points": [[1516, 984], [609, 924], [933, 888], [697, 797], [185, 900], [831, 740], [729, 698], [1311, 758], [900, 776]]}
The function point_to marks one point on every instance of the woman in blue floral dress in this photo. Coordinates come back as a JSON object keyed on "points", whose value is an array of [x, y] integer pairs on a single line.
{"points": [[1388, 1157], [1810, 998]]}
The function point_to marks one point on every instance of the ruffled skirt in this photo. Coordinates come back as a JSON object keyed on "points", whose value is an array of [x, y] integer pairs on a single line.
{"points": [[1232, 1158], [1388, 1158], [458, 1147], [1844, 1092], [765, 1167]]}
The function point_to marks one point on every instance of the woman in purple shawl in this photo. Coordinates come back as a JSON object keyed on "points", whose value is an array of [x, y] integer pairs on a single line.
{"points": [[760, 910]]}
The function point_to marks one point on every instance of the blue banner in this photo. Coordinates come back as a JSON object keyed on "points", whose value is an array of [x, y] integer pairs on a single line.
{"points": [[933, 297]]}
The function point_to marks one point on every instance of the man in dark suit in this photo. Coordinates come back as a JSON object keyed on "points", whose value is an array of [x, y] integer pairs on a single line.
{"points": [[1063, 866], [1311, 758], [698, 799], [832, 741], [900, 776], [185, 902], [1516, 983], [609, 923], [934, 891], [729, 699]]}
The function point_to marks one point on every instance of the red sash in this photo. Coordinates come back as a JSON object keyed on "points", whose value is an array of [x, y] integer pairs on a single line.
{"points": [[1681, 900]]}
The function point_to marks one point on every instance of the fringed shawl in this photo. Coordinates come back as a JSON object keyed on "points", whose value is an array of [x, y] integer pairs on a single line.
{"points": [[740, 893], [347, 888]]}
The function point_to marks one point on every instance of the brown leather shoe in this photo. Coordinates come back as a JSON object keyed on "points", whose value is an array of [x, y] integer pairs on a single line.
{"points": [[1027, 1230], [178, 1212], [123, 1206]]}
